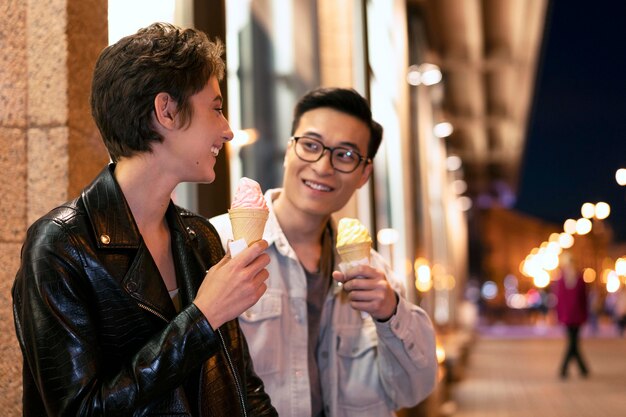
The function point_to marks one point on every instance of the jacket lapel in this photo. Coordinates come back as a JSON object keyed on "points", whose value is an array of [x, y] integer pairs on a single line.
{"points": [[116, 232], [190, 269]]}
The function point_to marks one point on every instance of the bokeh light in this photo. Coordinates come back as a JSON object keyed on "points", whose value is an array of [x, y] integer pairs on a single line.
{"points": [[588, 210], [459, 186], [602, 210], [542, 279], [489, 290], [443, 129], [583, 226], [566, 240], [620, 176], [620, 266], [612, 282], [569, 226], [453, 163], [589, 275]]}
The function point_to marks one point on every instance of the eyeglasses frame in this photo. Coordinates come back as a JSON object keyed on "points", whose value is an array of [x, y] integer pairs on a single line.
{"points": [[325, 148]]}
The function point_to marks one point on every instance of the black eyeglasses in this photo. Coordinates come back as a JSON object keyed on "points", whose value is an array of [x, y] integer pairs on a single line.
{"points": [[342, 159]]}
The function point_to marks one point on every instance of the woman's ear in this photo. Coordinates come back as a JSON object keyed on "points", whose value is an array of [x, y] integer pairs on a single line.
{"points": [[165, 109]]}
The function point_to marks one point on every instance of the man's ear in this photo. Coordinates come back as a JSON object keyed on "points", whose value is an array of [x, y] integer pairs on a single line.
{"points": [[165, 109], [289, 145], [365, 175]]}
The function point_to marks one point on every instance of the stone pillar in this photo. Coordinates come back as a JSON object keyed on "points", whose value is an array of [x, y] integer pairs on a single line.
{"points": [[340, 40], [49, 145]]}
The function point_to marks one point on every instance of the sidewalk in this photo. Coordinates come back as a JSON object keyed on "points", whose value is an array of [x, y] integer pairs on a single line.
{"points": [[514, 372]]}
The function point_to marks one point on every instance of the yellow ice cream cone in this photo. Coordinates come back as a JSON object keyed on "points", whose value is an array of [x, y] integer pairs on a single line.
{"points": [[354, 252]]}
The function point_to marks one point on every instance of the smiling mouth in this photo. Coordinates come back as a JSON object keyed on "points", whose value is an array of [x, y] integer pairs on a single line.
{"points": [[317, 186], [215, 150]]}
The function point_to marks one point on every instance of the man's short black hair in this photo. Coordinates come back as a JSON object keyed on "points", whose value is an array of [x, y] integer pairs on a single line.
{"points": [[345, 100]]}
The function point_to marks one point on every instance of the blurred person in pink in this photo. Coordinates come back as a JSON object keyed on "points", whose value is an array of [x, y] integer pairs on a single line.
{"points": [[571, 292]]}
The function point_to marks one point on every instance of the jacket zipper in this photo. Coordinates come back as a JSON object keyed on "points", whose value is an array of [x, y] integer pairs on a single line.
{"points": [[153, 311], [232, 369], [230, 362]]}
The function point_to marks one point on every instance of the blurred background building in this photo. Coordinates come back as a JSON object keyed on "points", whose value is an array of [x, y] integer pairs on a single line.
{"points": [[451, 81]]}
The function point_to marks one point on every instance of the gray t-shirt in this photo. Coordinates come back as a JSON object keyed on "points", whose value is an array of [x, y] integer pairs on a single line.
{"points": [[318, 284]]}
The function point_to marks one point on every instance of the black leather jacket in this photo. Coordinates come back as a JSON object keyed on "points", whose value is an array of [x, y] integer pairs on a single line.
{"points": [[98, 331]]}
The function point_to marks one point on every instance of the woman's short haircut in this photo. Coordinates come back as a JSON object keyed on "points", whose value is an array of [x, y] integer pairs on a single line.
{"points": [[128, 75]]}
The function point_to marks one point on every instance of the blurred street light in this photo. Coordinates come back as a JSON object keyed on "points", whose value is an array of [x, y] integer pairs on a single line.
{"points": [[588, 210], [443, 129], [620, 266], [602, 210], [459, 186], [426, 74], [453, 163], [388, 237], [583, 226], [566, 240], [569, 226], [240, 139], [620, 176]]}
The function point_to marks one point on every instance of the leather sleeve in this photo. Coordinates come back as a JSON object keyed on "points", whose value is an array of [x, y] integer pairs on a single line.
{"points": [[258, 402], [59, 326]]}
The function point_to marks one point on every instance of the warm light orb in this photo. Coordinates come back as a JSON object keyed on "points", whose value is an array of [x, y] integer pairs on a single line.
{"points": [[570, 226], [602, 210], [427, 74], [583, 226], [413, 76], [459, 186], [550, 261], [243, 138], [453, 163], [566, 240], [430, 74], [440, 353], [387, 236], [422, 273], [589, 275], [443, 129], [464, 203], [588, 210], [612, 282], [542, 279], [554, 247], [532, 265], [620, 266], [554, 237], [423, 286], [620, 176]]}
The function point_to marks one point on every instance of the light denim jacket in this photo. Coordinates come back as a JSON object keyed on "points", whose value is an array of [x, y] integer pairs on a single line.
{"points": [[367, 368]]}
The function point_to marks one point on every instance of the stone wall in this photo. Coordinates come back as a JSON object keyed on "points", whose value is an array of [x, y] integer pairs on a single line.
{"points": [[49, 146]]}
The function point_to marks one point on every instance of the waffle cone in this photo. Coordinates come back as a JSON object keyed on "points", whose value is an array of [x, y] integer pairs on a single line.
{"points": [[354, 252], [248, 224]]}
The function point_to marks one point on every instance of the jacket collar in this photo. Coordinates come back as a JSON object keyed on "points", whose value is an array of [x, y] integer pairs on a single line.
{"points": [[115, 228], [110, 217], [274, 235]]}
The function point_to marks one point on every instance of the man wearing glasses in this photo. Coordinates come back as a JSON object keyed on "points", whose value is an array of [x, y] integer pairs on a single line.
{"points": [[327, 343]]}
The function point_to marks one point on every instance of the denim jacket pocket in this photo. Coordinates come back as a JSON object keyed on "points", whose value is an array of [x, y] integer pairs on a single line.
{"points": [[358, 381], [262, 326], [353, 344], [268, 306]]}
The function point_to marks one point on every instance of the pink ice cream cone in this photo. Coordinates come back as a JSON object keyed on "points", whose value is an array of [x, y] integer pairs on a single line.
{"points": [[248, 212]]}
